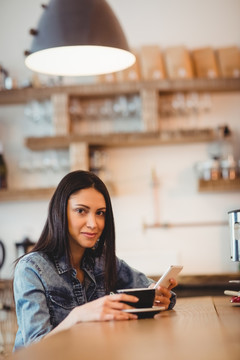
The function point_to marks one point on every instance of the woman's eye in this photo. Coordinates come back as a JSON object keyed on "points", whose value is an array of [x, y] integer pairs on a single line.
{"points": [[101, 213], [80, 211]]}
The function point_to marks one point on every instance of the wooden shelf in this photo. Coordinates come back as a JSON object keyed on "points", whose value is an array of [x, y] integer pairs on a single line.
{"points": [[23, 95], [220, 185], [121, 139], [156, 87], [26, 194], [183, 225]]}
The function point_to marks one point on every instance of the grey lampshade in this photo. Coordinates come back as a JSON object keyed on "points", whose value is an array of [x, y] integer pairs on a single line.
{"points": [[78, 37]]}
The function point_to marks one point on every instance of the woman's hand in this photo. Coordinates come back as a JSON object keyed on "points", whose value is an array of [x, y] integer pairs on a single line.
{"points": [[163, 294], [105, 308]]}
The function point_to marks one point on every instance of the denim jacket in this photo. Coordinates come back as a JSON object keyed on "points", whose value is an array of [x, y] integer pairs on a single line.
{"points": [[47, 290]]}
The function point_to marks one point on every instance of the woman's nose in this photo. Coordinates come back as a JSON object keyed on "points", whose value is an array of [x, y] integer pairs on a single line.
{"points": [[91, 221]]}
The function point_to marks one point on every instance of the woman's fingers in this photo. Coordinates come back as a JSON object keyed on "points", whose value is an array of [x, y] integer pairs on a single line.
{"points": [[123, 297], [113, 309], [117, 301], [173, 284], [163, 295]]}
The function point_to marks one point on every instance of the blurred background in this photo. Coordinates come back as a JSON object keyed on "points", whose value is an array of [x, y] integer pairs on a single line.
{"points": [[163, 213]]}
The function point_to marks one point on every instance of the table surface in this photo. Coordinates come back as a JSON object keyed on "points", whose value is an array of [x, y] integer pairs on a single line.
{"points": [[199, 328]]}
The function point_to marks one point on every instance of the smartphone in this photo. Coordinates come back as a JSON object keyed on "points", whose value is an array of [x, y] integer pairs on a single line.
{"points": [[171, 272]]}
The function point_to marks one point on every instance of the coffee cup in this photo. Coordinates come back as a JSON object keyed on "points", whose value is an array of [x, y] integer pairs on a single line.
{"points": [[145, 295]]}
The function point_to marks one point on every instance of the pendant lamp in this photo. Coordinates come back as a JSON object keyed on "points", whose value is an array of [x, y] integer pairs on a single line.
{"points": [[78, 38]]}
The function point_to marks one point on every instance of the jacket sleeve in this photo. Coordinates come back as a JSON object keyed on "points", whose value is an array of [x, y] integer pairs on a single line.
{"points": [[31, 305], [128, 277]]}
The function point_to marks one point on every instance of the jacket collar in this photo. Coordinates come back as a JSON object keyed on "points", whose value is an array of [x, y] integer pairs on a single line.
{"points": [[62, 264]]}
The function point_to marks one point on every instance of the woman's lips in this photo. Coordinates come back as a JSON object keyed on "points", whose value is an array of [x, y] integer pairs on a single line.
{"points": [[89, 235]]}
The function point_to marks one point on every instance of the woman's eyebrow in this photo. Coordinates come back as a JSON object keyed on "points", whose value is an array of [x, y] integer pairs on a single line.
{"points": [[88, 207], [82, 205]]}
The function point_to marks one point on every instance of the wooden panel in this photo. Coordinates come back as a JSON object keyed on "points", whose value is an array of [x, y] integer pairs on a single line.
{"points": [[61, 117], [219, 185], [149, 99], [79, 157], [26, 194], [229, 317], [209, 85], [120, 139], [21, 96]]}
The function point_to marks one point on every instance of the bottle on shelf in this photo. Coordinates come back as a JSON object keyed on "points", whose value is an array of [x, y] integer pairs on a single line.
{"points": [[3, 170]]}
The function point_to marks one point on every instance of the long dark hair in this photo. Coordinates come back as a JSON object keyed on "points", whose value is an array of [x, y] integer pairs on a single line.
{"points": [[54, 237]]}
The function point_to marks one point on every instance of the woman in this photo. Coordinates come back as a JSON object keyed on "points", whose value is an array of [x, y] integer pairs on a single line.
{"points": [[70, 272]]}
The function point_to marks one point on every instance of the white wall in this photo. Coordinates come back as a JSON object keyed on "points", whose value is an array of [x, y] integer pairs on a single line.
{"points": [[201, 249]]}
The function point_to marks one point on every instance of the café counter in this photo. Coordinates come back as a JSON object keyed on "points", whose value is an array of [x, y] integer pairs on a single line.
{"points": [[199, 328]]}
